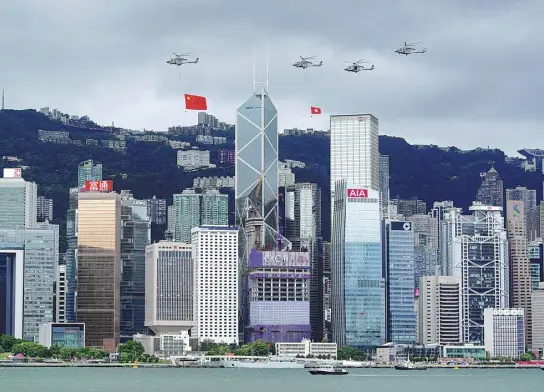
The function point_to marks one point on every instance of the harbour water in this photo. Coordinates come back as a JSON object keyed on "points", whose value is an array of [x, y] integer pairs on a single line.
{"points": [[266, 380]]}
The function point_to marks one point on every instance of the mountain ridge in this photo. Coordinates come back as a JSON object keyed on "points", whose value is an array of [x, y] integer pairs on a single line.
{"points": [[427, 172]]}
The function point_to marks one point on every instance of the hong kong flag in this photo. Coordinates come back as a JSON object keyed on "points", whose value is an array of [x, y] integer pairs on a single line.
{"points": [[315, 110], [195, 102]]}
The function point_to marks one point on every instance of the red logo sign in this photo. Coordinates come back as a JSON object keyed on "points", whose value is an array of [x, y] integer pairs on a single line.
{"points": [[99, 186], [357, 192]]}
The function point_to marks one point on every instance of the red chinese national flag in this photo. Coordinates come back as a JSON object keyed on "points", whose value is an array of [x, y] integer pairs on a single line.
{"points": [[315, 110], [195, 102]]}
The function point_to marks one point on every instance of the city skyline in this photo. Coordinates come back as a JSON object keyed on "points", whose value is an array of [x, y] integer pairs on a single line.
{"points": [[454, 96]]}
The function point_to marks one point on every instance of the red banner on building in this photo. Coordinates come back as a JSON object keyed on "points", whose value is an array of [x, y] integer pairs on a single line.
{"points": [[99, 186]]}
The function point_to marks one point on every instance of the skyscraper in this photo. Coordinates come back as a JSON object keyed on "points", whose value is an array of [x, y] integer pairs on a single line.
{"points": [[170, 290], [303, 229], [358, 286], [520, 272], [88, 171], [491, 192], [439, 310], [135, 236], [18, 206], [28, 262], [531, 211], [257, 171], [256, 189], [355, 155], [398, 240], [99, 267], [71, 255], [475, 249]]}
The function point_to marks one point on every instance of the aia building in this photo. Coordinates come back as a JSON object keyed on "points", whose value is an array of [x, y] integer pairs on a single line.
{"points": [[358, 285]]}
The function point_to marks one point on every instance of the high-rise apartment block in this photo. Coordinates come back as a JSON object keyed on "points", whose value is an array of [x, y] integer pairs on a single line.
{"points": [[398, 253], [156, 209], [99, 267], [358, 286], [475, 249], [216, 253], [520, 271], [439, 310], [44, 209], [88, 171], [191, 209]]}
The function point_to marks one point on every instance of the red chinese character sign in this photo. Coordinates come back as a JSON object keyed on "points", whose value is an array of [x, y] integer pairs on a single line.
{"points": [[98, 186]]}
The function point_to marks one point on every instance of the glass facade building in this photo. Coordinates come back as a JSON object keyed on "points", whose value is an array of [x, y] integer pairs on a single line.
{"points": [[358, 286], [399, 271], [28, 262], [384, 184], [18, 203], [99, 267], [256, 168], [66, 335], [71, 255], [135, 236]]}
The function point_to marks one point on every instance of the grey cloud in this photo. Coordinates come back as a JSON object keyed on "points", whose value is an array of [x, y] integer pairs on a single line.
{"points": [[480, 79]]}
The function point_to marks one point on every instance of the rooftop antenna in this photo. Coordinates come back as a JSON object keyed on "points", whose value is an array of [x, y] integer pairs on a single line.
{"points": [[2, 108], [267, 67]]}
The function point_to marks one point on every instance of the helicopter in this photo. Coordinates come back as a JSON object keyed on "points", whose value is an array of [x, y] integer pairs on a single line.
{"points": [[356, 67], [305, 63], [180, 59], [410, 49]]}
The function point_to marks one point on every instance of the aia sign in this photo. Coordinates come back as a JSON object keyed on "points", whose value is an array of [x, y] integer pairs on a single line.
{"points": [[357, 192], [98, 186]]}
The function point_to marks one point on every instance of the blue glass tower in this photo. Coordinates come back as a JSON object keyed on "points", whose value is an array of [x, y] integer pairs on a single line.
{"points": [[399, 272], [358, 286]]}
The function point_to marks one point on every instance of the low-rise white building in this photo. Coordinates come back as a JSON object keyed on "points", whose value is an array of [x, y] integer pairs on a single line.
{"points": [[504, 332], [307, 348], [165, 345]]}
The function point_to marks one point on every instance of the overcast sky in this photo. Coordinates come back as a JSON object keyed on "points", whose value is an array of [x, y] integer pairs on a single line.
{"points": [[481, 82]]}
